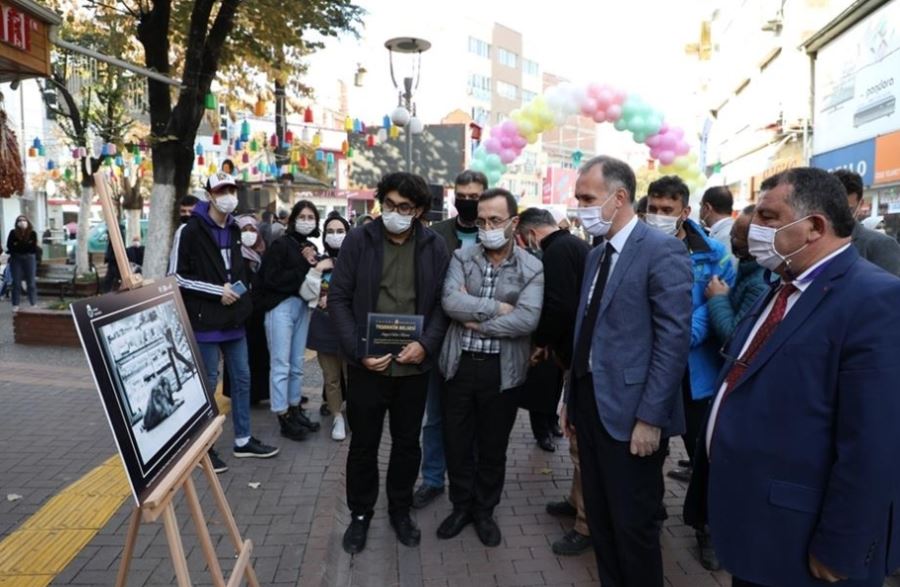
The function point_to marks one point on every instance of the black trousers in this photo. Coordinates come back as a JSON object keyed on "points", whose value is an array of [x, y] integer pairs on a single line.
{"points": [[622, 498], [477, 420], [694, 416], [735, 582], [369, 396], [540, 396]]}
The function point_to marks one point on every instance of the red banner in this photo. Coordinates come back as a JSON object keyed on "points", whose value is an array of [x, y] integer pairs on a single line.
{"points": [[16, 28]]}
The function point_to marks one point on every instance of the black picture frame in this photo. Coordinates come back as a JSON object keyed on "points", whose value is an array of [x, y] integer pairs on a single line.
{"points": [[150, 376]]}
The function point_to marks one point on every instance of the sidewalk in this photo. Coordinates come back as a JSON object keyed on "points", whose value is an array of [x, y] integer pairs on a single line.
{"points": [[54, 432]]}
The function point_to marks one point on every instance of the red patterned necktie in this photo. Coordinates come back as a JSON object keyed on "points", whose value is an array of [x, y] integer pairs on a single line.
{"points": [[768, 327]]}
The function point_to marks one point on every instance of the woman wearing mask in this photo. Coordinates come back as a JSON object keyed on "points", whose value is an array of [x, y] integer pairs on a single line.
{"points": [[322, 335], [252, 248], [290, 277], [22, 247]]}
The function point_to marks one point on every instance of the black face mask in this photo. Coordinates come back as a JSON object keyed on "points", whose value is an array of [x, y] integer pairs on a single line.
{"points": [[468, 210]]}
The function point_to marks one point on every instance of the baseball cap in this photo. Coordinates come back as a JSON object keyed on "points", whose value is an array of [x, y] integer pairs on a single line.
{"points": [[219, 180]]}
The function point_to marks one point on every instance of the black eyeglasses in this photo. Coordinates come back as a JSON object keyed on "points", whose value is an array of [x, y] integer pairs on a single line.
{"points": [[404, 208], [492, 222]]}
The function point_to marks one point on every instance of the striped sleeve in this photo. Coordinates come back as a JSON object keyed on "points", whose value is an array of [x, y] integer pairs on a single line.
{"points": [[182, 273]]}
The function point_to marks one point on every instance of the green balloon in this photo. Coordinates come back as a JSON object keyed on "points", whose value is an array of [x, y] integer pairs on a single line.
{"points": [[621, 124]]}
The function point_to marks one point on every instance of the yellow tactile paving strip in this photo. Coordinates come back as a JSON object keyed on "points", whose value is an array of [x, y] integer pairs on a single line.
{"points": [[46, 543]]}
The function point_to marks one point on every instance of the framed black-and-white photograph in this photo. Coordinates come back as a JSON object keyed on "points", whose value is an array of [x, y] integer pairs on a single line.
{"points": [[148, 370]]}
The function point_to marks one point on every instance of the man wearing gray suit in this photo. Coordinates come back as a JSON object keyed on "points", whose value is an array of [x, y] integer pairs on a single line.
{"points": [[872, 246], [632, 338]]}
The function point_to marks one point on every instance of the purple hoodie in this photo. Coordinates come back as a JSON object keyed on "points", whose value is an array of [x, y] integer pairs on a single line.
{"points": [[222, 236]]}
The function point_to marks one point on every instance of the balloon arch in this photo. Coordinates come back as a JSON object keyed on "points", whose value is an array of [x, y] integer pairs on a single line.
{"points": [[601, 102]]}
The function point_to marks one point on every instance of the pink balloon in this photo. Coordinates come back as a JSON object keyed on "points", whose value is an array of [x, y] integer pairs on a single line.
{"points": [[600, 115], [519, 142], [589, 106], [604, 99], [677, 132], [664, 128], [507, 156], [682, 148], [509, 128], [492, 145], [653, 140], [619, 96], [667, 141], [666, 157], [506, 141], [655, 151], [614, 113]]}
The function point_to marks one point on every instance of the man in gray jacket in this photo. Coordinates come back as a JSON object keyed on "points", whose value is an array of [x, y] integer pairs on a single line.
{"points": [[872, 246], [493, 293]]}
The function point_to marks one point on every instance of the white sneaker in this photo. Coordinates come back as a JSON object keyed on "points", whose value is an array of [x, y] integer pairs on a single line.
{"points": [[338, 429]]}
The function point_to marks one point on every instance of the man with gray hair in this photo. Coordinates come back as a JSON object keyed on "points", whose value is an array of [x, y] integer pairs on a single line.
{"points": [[563, 256], [796, 472], [632, 337]]}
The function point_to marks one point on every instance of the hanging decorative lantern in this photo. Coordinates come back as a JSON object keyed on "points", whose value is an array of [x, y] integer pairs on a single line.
{"points": [[317, 139], [348, 124], [576, 157], [111, 149], [82, 152], [198, 149], [210, 101], [304, 134], [54, 174], [246, 176], [370, 141], [32, 152], [75, 153], [67, 174], [260, 108], [382, 135], [350, 153], [51, 165], [37, 143], [245, 131], [239, 145], [273, 141], [212, 169], [41, 151], [304, 162], [295, 156], [138, 159], [289, 137], [386, 122], [329, 159], [254, 146], [294, 169], [273, 170], [245, 158], [320, 155], [217, 138], [142, 145], [230, 150], [120, 161], [308, 115], [357, 125], [345, 146], [395, 132], [104, 150], [201, 161]]}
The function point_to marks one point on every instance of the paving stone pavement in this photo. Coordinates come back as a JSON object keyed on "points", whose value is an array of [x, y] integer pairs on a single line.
{"points": [[53, 431]]}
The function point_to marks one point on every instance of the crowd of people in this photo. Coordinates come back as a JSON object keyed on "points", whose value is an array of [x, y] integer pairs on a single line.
{"points": [[765, 338]]}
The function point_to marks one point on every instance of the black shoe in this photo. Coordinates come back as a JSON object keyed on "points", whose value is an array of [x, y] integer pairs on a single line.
{"points": [[572, 544], [290, 428], [355, 536], [562, 508], [488, 531], [324, 411], [556, 431], [218, 464], [708, 558], [547, 444], [426, 494], [255, 449], [684, 463], [407, 532], [303, 400], [300, 417], [680, 474], [454, 524]]}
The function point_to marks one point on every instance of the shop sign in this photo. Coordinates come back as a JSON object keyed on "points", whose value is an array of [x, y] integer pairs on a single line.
{"points": [[887, 159], [858, 158]]}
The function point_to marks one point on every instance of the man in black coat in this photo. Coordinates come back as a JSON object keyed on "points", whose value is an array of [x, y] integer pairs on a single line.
{"points": [[872, 246], [564, 257], [394, 265]]}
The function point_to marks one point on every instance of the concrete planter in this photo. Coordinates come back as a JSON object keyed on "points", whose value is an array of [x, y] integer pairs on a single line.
{"points": [[39, 326]]}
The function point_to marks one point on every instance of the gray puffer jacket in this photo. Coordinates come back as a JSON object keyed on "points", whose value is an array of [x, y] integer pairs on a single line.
{"points": [[520, 283]]}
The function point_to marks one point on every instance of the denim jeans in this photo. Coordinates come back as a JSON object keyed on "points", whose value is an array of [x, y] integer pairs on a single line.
{"points": [[234, 355], [434, 466], [286, 328], [23, 269]]}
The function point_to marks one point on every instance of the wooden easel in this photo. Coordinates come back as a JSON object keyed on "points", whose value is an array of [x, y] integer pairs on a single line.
{"points": [[160, 501]]}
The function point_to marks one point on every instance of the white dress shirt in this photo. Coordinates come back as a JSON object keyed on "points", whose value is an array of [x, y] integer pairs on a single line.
{"points": [[721, 231], [801, 283]]}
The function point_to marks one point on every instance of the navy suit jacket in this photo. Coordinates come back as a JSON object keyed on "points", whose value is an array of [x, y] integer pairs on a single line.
{"points": [[642, 336], [805, 456]]}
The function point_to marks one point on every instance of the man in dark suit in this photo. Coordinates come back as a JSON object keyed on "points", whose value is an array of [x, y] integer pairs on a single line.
{"points": [[632, 338], [872, 245], [802, 473]]}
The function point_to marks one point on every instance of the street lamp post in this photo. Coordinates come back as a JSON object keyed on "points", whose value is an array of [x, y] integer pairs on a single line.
{"points": [[405, 113]]}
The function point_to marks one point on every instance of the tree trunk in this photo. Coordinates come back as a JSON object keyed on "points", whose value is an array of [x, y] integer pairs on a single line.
{"points": [[133, 226], [82, 254], [162, 204]]}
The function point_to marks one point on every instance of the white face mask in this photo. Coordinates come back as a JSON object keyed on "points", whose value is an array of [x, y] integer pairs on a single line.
{"points": [[335, 240], [396, 223], [761, 241], [493, 240], [305, 227], [248, 238], [226, 204], [22, 224], [665, 224], [593, 221]]}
